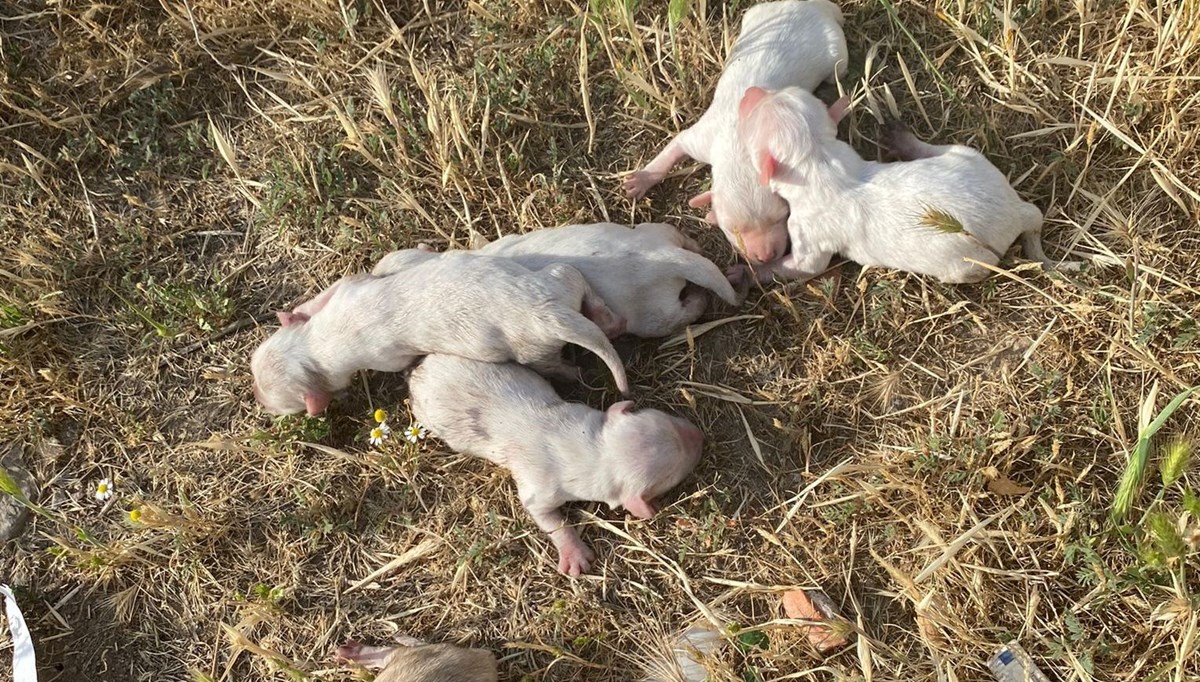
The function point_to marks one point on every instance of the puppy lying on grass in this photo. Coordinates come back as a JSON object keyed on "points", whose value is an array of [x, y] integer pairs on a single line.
{"points": [[927, 214], [781, 44], [489, 309], [556, 451], [642, 274]]}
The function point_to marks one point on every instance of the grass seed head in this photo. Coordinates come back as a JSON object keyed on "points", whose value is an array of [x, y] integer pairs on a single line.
{"points": [[1128, 488], [1176, 456], [941, 221]]}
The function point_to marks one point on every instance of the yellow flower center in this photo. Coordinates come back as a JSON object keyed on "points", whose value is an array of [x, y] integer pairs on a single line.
{"points": [[380, 416], [377, 433], [102, 488], [135, 515]]}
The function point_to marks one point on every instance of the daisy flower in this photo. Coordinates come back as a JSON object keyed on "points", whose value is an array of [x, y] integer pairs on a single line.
{"points": [[104, 489], [415, 432], [378, 435], [382, 427]]}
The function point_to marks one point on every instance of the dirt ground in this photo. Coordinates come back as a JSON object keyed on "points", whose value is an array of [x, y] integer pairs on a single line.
{"points": [[942, 460]]}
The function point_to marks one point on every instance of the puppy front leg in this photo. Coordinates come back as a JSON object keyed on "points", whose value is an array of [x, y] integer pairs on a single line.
{"points": [[639, 182], [796, 266], [574, 557]]}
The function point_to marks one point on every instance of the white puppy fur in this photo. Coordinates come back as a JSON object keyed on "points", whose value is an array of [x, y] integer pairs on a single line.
{"points": [[881, 214], [556, 451], [781, 44], [490, 309], [642, 274]]}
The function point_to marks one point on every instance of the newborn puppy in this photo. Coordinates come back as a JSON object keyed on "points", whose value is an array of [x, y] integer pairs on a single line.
{"points": [[556, 451], [490, 309], [416, 661], [642, 274], [786, 43], [924, 215]]}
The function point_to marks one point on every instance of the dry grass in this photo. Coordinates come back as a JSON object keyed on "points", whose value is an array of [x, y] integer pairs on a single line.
{"points": [[940, 459]]}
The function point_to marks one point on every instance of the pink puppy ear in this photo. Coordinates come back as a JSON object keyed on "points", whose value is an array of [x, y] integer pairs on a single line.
{"points": [[623, 407], [287, 319], [315, 402], [751, 99], [837, 110], [640, 507], [767, 167]]}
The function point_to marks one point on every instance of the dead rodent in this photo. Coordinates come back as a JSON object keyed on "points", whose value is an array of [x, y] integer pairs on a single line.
{"points": [[415, 661]]}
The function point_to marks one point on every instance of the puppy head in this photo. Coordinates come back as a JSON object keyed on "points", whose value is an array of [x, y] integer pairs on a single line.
{"points": [[284, 382], [785, 132], [650, 453], [752, 217]]}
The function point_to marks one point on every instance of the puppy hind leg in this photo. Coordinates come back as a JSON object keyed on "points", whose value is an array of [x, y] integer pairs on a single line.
{"points": [[555, 368], [908, 147], [1031, 242], [693, 300], [595, 309], [573, 287], [959, 270]]}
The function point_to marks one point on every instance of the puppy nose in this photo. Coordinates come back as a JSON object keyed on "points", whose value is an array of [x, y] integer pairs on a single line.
{"points": [[760, 252]]}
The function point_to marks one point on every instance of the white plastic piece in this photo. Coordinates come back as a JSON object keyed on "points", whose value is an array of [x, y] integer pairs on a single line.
{"points": [[24, 663]]}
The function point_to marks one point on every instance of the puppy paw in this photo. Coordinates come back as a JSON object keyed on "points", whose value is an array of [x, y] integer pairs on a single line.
{"points": [[613, 325], [609, 322], [575, 559], [563, 371], [639, 182], [741, 279]]}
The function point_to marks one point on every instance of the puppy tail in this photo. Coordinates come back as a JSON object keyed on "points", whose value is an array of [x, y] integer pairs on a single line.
{"points": [[702, 272], [577, 329]]}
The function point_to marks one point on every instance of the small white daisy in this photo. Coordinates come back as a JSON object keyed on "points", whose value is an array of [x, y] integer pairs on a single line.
{"points": [[104, 489], [415, 432], [377, 436]]}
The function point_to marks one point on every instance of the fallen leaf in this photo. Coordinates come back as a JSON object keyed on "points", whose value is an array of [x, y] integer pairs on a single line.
{"points": [[1000, 484], [813, 605]]}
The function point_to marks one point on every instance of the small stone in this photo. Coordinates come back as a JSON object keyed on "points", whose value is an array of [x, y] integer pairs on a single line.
{"points": [[13, 514]]}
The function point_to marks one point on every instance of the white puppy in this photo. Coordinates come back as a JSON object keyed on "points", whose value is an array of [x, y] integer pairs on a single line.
{"points": [[925, 215], [641, 274], [556, 451], [782, 44], [491, 309]]}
